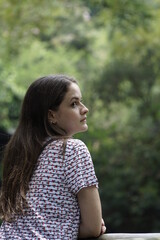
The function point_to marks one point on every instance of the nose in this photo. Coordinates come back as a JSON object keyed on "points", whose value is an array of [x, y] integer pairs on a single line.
{"points": [[84, 109]]}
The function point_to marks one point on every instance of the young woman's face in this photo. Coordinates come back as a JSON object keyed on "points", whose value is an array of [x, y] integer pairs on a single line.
{"points": [[71, 114]]}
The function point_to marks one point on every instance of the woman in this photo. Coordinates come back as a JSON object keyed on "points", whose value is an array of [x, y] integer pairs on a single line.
{"points": [[49, 188]]}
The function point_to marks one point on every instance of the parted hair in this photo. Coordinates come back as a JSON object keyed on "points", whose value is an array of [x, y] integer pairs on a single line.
{"points": [[22, 151]]}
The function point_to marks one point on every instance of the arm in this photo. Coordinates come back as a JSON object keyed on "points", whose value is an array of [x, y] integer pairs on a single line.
{"points": [[91, 214]]}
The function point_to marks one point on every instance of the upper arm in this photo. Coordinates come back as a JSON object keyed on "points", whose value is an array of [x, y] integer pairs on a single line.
{"points": [[90, 209], [78, 167], [81, 180]]}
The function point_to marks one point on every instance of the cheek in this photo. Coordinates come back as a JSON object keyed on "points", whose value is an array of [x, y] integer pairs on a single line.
{"points": [[71, 125], [68, 120]]}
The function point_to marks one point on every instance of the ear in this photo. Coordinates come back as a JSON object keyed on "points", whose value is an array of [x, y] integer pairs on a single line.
{"points": [[52, 117]]}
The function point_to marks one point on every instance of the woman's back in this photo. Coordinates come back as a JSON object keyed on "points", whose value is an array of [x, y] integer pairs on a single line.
{"points": [[53, 211]]}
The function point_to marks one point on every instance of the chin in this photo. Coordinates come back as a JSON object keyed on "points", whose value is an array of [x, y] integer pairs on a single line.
{"points": [[85, 129]]}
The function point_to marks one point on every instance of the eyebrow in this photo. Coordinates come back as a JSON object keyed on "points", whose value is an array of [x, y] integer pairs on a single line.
{"points": [[76, 98]]}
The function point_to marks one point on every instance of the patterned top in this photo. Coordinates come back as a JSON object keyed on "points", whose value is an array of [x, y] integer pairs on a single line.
{"points": [[53, 211]]}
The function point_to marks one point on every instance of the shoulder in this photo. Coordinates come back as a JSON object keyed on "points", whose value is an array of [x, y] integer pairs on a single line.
{"points": [[75, 143], [76, 148]]}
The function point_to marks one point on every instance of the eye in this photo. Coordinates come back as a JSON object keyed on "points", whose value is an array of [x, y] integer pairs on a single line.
{"points": [[74, 104]]}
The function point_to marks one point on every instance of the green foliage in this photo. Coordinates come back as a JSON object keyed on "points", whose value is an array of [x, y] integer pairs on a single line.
{"points": [[112, 47]]}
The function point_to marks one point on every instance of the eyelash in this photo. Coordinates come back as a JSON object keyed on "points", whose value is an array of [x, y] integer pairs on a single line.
{"points": [[74, 104]]}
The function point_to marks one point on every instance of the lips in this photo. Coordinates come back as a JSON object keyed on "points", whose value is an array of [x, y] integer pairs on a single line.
{"points": [[84, 119]]}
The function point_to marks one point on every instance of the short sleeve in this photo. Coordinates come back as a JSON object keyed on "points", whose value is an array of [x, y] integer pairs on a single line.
{"points": [[79, 169]]}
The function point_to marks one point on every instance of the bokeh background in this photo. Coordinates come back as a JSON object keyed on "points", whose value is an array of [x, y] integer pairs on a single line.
{"points": [[113, 48]]}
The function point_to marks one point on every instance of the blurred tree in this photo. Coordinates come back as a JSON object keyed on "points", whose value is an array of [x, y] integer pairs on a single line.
{"points": [[126, 146], [37, 40]]}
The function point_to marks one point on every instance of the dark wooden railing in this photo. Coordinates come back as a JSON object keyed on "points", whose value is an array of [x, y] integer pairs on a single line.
{"points": [[129, 236]]}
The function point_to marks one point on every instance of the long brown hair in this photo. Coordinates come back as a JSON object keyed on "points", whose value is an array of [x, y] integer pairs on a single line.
{"points": [[24, 147]]}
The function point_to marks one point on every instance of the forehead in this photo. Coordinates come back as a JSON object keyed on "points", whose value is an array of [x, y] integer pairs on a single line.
{"points": [[73, 91]]}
